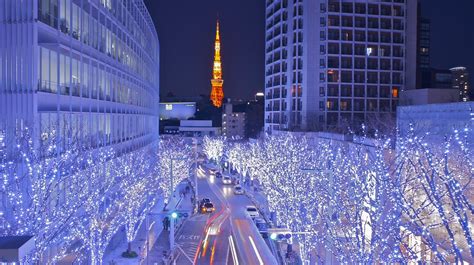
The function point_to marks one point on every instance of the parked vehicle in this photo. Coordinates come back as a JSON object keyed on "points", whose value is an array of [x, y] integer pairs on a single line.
{"points": [[252, 211], [207, 207], [226, 180], [238, 190]]}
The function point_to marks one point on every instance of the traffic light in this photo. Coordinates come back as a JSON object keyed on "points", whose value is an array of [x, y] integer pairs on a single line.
{"points": [[279, 234], [174, 215]]}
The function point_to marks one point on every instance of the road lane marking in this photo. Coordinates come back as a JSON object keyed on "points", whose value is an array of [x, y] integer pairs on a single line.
{"points": [[234, 252], [256, 251]]}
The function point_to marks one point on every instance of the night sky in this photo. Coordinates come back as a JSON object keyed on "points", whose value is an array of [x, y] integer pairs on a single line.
{"points": [[186, 31]]}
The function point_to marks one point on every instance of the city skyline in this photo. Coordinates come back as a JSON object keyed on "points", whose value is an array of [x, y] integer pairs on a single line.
{"points": [[248, 17]]}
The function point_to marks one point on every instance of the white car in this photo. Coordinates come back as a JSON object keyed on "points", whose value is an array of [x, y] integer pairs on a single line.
{"points": [[252, 211], [226, 180], [238, 190]]}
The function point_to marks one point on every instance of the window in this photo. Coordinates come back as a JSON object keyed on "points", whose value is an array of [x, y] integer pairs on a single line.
{"points": [[332, 104], [395, 92], [333, 76], [346, 91], [45, 80]]}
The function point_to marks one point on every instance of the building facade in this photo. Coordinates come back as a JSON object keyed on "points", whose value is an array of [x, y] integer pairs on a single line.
{"points": [[461, 82], [331, 61], [233, 123], [89, 67]]}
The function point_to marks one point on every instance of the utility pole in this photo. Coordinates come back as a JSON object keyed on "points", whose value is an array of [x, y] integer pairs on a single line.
{"points": [[195, 169], [172, 218], [171, 179]]}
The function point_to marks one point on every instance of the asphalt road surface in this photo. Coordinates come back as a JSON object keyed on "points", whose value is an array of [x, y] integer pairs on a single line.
{"points": [[228, 235]]}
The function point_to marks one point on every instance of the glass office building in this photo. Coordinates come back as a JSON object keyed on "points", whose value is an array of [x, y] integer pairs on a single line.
{"points": [[87, 67]]}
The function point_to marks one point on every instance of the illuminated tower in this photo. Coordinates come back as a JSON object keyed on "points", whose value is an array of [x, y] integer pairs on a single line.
{"points": [[217, 94]]}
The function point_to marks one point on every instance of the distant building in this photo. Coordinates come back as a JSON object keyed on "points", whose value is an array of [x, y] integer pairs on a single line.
{"points": [[423, 56], [198, 128], [254, 116], [461, 82], [425, 96], [177, 110], [330, 62], [233, 123], [437, 119]]}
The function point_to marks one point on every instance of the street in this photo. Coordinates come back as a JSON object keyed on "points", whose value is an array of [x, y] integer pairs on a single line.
{"points": [[226, 236]]}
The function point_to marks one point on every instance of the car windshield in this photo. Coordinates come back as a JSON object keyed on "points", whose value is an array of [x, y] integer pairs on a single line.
{"points": [[208, 205], [238, 188], [251, 209]]}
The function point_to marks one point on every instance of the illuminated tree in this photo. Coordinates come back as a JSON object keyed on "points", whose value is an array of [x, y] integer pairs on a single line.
{"points": [[102, 205], [138, 182], [436, 182], [175, 152], [37, 184], [213, 148]]}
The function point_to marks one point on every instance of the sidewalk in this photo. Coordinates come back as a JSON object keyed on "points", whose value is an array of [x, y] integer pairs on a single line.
{"points": [[160, 250], [119, 244]]}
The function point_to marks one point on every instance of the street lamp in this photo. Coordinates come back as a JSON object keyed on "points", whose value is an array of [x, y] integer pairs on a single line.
{"points": [[195, 141]]}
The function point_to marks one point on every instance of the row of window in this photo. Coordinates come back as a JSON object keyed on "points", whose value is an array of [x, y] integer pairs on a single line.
{"points": [[364, 22], [362, 36], [101, 33], [67, 75], [364, 8], [340, 104], [336, 76], [95, 129], [362, 49]]}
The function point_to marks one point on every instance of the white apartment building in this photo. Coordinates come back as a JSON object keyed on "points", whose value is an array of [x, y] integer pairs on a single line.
{"points": [[335, 61], [90, 67]]}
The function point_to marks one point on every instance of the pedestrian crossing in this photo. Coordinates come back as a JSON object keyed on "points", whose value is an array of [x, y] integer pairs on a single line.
{"points": [[187, 250]]}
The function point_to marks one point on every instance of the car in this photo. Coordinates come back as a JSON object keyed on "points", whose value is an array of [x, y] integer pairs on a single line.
{"points": [[207, 207], [262, 227], [226, 180], [218, 175], [203, 201], [252, 211], [212, 171], [238, 190]]}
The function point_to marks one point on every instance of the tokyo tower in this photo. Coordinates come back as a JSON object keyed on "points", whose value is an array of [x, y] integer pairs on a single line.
{"points": [[217, 94]]}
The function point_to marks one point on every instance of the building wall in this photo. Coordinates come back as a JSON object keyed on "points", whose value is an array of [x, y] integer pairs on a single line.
{"points": [[460, 79], [233, 123], [329, 61], [439, 120], [177, 110], [89, 67]]}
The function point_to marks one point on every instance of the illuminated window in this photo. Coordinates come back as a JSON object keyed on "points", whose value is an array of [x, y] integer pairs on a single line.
{"points": [[369, 51], [395, 92], [169, 107]]}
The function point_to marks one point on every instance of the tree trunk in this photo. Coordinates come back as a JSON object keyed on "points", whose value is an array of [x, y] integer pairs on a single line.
{"points": [[129, 249]]}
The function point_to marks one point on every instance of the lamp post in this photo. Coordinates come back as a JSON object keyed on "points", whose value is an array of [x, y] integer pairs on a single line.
{"points": [[195, 169]]}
